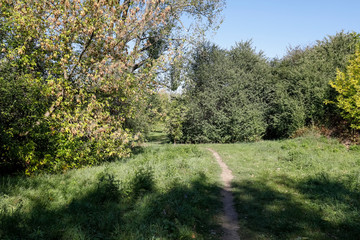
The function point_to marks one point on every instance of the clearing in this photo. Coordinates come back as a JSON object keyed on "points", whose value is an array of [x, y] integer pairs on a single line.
{"points": [[304, 188]]}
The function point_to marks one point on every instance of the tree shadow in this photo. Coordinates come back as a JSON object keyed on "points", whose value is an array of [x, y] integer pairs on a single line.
{"points": [[109, 211], [137, 150], [301, 212]]}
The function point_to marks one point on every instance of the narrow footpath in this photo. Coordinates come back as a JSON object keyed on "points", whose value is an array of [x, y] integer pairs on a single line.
{"points": [[229, 219]]}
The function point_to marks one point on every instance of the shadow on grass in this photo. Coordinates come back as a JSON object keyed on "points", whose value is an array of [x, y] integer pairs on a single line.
{"points": [[109, 211], [321, 209], [137, 150]]}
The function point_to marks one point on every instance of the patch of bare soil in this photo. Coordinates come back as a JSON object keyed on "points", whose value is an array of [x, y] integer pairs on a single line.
{"points": [[229, 219]]}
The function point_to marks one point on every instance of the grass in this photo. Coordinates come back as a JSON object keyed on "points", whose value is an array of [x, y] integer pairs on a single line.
{"points": [[304, 188], [162, 192], [158, 135]]}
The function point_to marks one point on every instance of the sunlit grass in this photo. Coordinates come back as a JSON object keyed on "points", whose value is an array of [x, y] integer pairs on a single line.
{"points": [[158, 134], [162, 192], [304, 188]]}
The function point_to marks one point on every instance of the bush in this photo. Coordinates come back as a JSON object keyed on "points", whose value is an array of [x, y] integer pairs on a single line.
{"points": [[26, 141], [301, 83], [226, 95], [347, 85], [143, 182], [175, 118]]}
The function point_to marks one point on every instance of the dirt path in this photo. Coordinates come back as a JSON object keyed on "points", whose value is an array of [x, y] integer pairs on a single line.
{"points": [[229, 220]]}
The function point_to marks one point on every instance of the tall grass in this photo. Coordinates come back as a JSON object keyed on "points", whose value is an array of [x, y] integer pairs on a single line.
{"points": [[162, 192], [304, 188]]}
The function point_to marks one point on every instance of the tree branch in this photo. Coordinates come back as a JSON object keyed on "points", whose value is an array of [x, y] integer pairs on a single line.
{"points": [[81, 54], [138, 65]]}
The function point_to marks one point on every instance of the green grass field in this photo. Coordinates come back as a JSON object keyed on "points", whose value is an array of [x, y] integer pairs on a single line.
{"points": [[162, 192], [304, 188]]}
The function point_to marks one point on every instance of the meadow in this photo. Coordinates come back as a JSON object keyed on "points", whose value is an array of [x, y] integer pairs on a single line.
{"points": [[82, 83], [161, 192], [303, 188]]}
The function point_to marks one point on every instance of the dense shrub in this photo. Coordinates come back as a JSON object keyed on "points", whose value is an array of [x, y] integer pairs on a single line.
{"points": [[226, 95], [24, 137], [301, 81], [238, 95], [347, 84], [177, 111]]}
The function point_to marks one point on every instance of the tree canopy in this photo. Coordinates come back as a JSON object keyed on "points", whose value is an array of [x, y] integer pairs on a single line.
{"points": [[347, 84], [240, 95], [226, 94], [81, 71]]}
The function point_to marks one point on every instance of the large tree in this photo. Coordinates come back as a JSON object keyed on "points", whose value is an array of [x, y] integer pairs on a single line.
{"points": [[94, 62], [226, 94]]}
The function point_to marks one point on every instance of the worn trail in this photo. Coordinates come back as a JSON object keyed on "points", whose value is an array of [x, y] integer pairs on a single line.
{"points": [[229, 219]]}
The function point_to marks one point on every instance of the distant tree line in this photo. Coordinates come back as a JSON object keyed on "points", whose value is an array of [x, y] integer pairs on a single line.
{"points": [[239, 95]]}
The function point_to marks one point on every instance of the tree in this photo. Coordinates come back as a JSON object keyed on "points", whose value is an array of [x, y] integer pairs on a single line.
{"points": [[226, 94], [175, 118], [95, 61], [301, 85], [347, 85]]}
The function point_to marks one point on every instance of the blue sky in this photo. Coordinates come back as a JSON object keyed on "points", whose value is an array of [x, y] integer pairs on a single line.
{"points": [[274, 25]]}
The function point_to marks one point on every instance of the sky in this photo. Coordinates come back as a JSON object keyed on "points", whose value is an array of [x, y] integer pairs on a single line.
{"points": [[276, 25]]}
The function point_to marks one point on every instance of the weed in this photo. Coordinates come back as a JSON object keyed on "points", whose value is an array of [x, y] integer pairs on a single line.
{"points": [[107, 188], [142, 182]]}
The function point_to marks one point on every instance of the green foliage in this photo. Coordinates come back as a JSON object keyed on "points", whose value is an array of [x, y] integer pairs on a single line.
{"points": [[227, 95], [347, 84], [142, 182], [301, 85], [238, 95], [108, 188], [25, 140], [76, 76], [150, 114], [175, 118]]}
